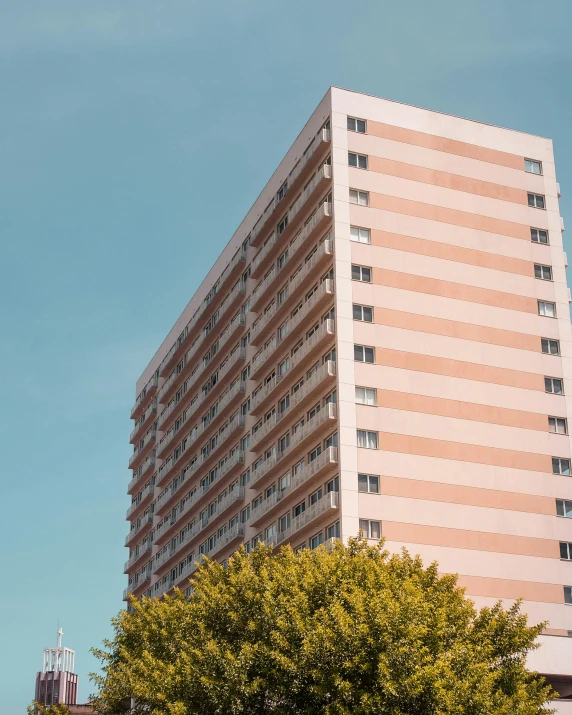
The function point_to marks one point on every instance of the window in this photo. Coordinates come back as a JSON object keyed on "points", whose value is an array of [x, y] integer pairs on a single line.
{"points": [[316, 496], [561, 466], [538, 235], [536, 201], [361, 273], [315, 541], [533, 167], [547, 309], [568, 594], [360, 235], [362, 353], [557, 425], [281, 227], [364, 313], [358, 160], [368, 483], [370, 529], [361, 198], [333, 531], [333, 485], [542, 272], [299, 508], [284, 523], [553, 385], [550, 347], [358, 125], [566, 551], [366, 439], [564, 508], [366, 396]]}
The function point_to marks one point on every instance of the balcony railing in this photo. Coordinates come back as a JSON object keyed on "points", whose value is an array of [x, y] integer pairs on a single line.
{"points": [[322, 137], [325, 371], [303, 434], [144, 421], [328, 503], [145, 521], [147, 466], [147, 492], [143, 550], [146, 393], [328, 457], [148, 440]]}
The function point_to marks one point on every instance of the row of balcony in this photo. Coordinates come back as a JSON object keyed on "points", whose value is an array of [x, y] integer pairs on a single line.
{"points": [[180, 345], [146, 521], [204, 341], [146, 468], [324, 374], [169, 414], [142, 450], [144, 421], [144, 580], [325, 417], [145, 496], [144, 396], [314, 149], [142, 551], [328, 504], [311, 472], [311, 345], [166, 500]]}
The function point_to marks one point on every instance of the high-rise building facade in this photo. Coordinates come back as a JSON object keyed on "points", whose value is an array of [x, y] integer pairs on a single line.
{"points": [[384, 345]]}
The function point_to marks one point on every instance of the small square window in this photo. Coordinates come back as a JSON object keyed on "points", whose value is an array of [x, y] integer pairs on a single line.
{"points": [[561, 466], [533, 167], [359, 161], [361, 198], [363, 313], [363, 353], [357, 125], [370, 529], [547, 309], [361, 273], [367, 439], [554, 385], [550, 347], [542, 272], [368, 483], [360, 235], [539, 235], [366, 396], [564, 508], [557, 425], [536, 201]]}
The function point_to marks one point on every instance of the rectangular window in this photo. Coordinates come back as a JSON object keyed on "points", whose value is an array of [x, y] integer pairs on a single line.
{"points": [[363, 313], [358, 125], [550, 347], [366, 396], [561, 466], [370, 529], [557, 425], [539, 235], [547, 309], [316, 540], [536, 201], [368, 483], [284, 523], [359, 161], [533, 167], [566, 551], [361, 273], [360, 235], [333, 531], [361, 198], [333, 485], [553, 385], [363, 353], [564, 508], [366, 439], [299, 508], [542, 272], [568, 594]]}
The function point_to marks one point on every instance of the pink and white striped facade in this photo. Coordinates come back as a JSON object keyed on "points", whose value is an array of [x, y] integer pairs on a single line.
{"points": [[247, 420]]}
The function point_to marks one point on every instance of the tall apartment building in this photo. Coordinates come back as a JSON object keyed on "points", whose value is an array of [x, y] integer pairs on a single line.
{"points": [[385, 345]]}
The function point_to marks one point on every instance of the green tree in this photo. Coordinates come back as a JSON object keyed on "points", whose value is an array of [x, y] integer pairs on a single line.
{"points": [[348, 630], [38, 709]]}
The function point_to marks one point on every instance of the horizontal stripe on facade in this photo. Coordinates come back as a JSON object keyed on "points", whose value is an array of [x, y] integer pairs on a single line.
{"points": [[503, 588], [455, 291], [459, 494], [449, 146], [455, 409], [458, 368], [461, 452], [454, 329], [453, 216], [470, 540], [447, 180], [448, 252]]}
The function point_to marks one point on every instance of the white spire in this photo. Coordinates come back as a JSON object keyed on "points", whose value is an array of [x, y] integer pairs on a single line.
{"points": [[59, 658]]}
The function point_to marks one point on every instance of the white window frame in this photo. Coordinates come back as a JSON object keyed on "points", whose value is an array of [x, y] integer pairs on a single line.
{"points": [[359, 197], [366, 396], [360, 272], [369, 439], [354, 125], [358, 234], [542, 272], [363, 312], [531, 164], [536, 201], [547, 309], [361, 161]]}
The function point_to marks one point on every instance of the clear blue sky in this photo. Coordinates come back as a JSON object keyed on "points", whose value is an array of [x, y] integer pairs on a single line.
{"points": [[134, 136]]}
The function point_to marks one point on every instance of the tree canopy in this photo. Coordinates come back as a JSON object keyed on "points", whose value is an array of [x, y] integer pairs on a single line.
{"points": [[38, 709], [345, 630]]}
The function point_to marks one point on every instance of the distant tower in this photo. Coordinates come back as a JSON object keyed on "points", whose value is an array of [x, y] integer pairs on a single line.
{"points": [[57, 682]]}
